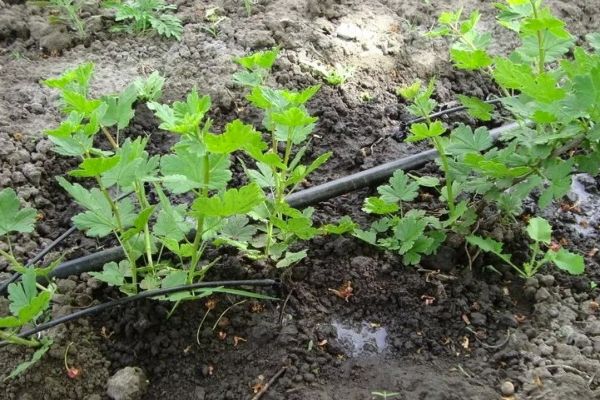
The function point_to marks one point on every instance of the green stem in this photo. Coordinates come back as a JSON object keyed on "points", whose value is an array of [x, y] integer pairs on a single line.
{"points": [[200, 223], [446, 167], [14, 339], [141, 195], [540, 40], [120, 230]]}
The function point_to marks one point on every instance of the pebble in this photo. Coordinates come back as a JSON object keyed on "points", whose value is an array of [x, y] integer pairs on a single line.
{"points": [[542, 295], [129, 383], [507, 388]]}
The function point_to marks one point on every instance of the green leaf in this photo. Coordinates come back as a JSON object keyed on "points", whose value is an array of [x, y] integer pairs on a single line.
{"points": [[12, 218], [293, 117], [167, 25], [22, 293], [344, 225], [539, 230], [376, 205], [150, 89], [409, 92], [511, 75], [470, 59], [488, 245], [574, 264], [236, 136], [77, 79], [426, 181], [463, 140], [259, 60], [77, 102], [594, 40], [133, 165], [400, 188], [477, 108], [182, 117], [185, 170], [24, 366], [36, 306], [238, 228], [493, 167], [112, 273], [119, 109], [10, 322], [94, 167], [420, 131], [231, 202], [291, 258], [170, 222], [367, 236]]}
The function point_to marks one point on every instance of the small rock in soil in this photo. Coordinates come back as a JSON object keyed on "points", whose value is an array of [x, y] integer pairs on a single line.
{"points": [[542, 294], [129, 383], [507, 388]]}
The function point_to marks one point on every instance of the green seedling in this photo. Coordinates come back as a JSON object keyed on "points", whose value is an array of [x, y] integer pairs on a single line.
{"points": [[540, 232], [411, 234], [150, 89], [279, 170], [248, 4], [27, 299], [141, 16], [66, 12], [214, 19], [338, 75], [551, 96]]}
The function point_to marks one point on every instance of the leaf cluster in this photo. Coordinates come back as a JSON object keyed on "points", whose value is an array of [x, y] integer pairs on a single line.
{"points": [[144, 15]]}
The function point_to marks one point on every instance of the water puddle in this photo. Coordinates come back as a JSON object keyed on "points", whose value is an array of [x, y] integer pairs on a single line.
{"points": [[364, 338], [589, 205]]}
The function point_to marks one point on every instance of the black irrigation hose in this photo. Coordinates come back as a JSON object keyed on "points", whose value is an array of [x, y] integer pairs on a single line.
{"points": [[144, 295], [310, 196], [46, 250], [453, 110], [371, 176]]}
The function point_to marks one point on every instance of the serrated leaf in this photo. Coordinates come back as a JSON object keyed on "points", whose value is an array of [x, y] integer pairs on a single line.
{"points": [[22, 293], [477, 108], [77, 79], [184, 171], [263, 59], [170, 222], [119, 110], [421, 131], [112, 273], [376, 205], [231, 202], [93, 167], [367, 236], [594, 40], [470, 59], [36, 306], [574, 264], [344, 225], [463, 140], [236, 136], [400, 188], [24, 366], [488, 245], [13, 218], [291, 258]]}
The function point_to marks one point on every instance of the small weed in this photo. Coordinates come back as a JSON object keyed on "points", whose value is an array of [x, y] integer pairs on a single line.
{"points": [[67, 12], [337, 75], [144, 15], [214, 19]]}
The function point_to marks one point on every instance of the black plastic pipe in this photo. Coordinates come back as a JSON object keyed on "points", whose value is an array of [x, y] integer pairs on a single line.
{"points": [[144, 295], [307, 197]]}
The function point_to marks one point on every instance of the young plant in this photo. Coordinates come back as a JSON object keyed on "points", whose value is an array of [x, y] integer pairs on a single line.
{"points": [[144, 15], [67, 12], [337, 75], [150, 89], [248, 4], [540, 232], [27, 299], [550, 95], [214, 19], [279, 169], [411, 234], [385, 394]]}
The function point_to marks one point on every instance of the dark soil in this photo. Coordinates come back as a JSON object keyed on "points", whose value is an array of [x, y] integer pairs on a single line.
{"points": [[454, 334]]}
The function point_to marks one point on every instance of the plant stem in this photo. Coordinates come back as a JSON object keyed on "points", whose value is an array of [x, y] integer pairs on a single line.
{"points": [[18, 340], [540, 40], [110, 138], [141, 195], [446, 167], [200, 222], [126, 247]]}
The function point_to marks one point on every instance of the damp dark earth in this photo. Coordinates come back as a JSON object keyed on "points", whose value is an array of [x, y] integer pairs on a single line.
{"points": [[240, 200]]}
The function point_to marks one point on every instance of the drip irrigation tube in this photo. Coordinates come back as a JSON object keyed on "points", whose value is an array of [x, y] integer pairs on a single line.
{"points": [[144, 295], [304, 198]]}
